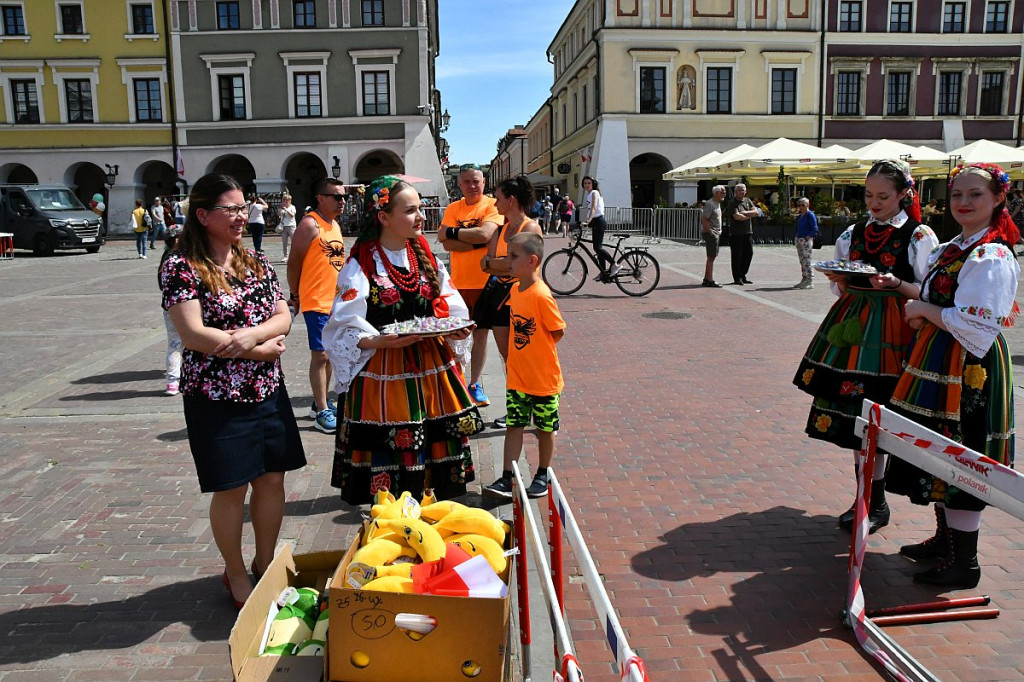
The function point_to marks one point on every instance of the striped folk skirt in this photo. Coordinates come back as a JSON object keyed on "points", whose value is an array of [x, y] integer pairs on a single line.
{"points": [[856, 353], [964, 398], [405, 424]]}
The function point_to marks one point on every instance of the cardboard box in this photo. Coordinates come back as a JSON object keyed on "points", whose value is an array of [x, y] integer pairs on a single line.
{"points": [[300, 570], [362, 627]]}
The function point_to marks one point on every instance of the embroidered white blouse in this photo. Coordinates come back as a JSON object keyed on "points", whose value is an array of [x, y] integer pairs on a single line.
{"points": [[347, 324], [922, 241], [985, 293]]}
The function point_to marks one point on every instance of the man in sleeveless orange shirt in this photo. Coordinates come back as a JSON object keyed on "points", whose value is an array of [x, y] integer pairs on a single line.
{"points": [[466, 227], [317, 256]]}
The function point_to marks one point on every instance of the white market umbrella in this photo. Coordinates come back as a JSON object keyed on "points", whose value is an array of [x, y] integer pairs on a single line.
{"points": [[787, 154], [987, 151], [679, 173]]}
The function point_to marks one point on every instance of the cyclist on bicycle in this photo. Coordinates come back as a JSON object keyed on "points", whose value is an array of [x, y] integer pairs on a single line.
{"points": [[593, 208]]}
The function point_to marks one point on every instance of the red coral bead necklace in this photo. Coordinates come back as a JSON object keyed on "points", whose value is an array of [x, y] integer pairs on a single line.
{"points": [[406, 282]]}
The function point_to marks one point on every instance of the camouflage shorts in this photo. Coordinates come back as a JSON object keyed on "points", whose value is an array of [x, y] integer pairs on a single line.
{"points": [[522, 406]]}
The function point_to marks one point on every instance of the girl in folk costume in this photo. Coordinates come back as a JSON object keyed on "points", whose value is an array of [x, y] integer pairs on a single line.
{"points": [[406, 416], [958, 379], [858, 350]]}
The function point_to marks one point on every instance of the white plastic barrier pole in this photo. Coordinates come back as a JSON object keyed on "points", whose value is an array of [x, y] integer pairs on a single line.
{"points": [[946, 459], [562, 640]]}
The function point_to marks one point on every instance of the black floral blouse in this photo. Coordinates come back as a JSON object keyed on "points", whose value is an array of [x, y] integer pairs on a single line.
{"points": [[252, 302]]}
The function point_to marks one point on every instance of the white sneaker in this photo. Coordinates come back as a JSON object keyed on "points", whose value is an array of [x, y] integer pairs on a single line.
{"points": [[614, 270]]}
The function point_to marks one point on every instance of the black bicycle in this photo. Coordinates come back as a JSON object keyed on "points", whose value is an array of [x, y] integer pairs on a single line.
{"points": [[565, 271]]}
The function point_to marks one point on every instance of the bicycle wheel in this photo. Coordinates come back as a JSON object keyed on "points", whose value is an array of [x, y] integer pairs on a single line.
{"points": [[564, 272], [640, 273]]}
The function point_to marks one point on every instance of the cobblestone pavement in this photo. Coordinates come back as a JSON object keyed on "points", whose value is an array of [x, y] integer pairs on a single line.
{"points": [[710, 515]]}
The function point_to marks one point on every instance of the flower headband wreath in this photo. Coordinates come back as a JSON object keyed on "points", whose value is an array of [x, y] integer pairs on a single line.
{"points": [[904, 168], [994, 171], [381, 194]]}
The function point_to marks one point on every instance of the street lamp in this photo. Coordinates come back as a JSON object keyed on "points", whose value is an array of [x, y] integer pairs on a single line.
{"points": [[111, 173], [446, 120], [336, 168]]}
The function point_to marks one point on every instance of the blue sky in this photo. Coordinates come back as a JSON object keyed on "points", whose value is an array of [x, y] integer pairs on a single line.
{"points": [[492, 71]]}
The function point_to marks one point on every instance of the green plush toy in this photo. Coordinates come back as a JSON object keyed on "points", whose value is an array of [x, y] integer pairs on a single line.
{"points": [[294, 623]]}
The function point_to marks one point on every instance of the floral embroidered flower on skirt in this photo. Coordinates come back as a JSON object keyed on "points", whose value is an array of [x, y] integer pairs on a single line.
{"points": [[406, 425]]}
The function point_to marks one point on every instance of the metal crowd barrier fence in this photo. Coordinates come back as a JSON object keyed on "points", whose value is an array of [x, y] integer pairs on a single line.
{"points": [[988, 480], [432, 218], [552, 580]]}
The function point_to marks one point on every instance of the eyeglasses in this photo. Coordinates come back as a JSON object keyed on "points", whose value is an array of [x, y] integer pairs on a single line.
{"points": [[469, 166], [336, 197], [232, 211]]}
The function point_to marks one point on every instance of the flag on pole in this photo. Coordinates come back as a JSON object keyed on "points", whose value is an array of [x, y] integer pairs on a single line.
{"points": [[179, 163]]}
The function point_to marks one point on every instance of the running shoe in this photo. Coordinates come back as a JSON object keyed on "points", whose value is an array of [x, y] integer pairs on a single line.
{"points": [[476, 392], [326, 421], [314, 413], [500, 488], [539, 487]]}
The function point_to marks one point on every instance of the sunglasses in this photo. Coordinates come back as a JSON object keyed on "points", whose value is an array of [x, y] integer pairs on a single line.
{"points": [[232, 211], [336, 197], [469, 166]]}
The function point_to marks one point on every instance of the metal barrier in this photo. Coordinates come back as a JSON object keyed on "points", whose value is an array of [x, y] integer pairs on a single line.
{"points": [[560, 516], [994, 483], [633, 220], [432, 218], [680, 224]]}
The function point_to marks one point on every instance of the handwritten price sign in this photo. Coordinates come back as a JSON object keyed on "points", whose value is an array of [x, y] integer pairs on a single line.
{"points": [[368, 620]]}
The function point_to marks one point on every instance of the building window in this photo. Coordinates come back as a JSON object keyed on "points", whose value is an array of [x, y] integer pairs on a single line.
{"points": [[232, 97], [565, 121], [71, 21], [586, 105], [307, 95], [991, 93], [850, 15], [228, 16], [719, 90], [14, 20], [848, 94], [783, 91], [147, 100], [376, 89], [142, 19], [78, 95], [901, 17], [304, 13], [897, 97], [373, 12], [953, 14], [26, 101], [652, 90], [995, 17], [949, 93]]}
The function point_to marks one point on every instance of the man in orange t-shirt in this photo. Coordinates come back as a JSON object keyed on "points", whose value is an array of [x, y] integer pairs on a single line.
{"points": [[534, 375], [466, 227], [317, 256]]}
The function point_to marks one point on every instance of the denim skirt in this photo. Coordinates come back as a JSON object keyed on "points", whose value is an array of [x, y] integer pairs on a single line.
{"points": [[234, 443]]}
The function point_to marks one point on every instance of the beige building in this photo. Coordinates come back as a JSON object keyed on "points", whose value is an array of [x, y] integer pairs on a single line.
{"points": [[642, 86]]}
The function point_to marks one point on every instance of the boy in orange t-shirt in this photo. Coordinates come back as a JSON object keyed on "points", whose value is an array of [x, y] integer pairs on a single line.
{"points": [[534, 376]]}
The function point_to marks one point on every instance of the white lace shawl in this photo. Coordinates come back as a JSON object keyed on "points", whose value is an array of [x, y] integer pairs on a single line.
{"points": [[983, 302]]}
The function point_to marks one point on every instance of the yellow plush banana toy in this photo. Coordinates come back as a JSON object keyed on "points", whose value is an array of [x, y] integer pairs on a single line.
{"points": [[421, 536], [475, 544], [378, 552], [390, 583], [438, 510], [473, 520]]}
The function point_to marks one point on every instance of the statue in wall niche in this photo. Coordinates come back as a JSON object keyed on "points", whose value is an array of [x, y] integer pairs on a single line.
{"points": [[686, 79]]}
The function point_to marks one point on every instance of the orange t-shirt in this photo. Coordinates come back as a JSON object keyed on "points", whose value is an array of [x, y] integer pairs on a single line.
{"points": [[465, 265], [324, 260], [532, 365]]}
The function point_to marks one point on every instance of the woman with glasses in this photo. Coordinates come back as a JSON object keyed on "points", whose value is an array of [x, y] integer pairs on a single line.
{"points": [[227, 306], [407, 414]]}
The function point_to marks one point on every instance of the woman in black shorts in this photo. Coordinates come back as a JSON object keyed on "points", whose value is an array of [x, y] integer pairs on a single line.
{"points": [[226, 303], [492, 312]]}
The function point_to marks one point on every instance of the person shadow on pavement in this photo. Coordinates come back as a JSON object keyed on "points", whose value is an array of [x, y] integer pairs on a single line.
{"points": [[771, 579], [45, 632]]}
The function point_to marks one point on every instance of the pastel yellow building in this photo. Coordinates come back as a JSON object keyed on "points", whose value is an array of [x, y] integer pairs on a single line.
{"points": [[84, 86], [642, 86]]}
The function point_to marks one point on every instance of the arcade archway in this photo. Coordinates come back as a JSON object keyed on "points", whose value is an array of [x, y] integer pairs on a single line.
{"points": [[376, 163], [646, 186]]}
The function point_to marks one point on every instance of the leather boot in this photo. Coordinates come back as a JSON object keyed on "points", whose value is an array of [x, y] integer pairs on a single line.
{"points": [[960, 570], [878, 511], [935, 546]]}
